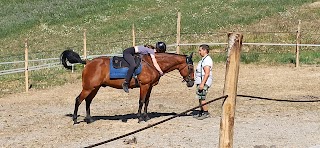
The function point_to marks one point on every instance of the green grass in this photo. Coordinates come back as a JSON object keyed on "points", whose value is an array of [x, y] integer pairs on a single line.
{"points": [[55, 25], [311, 57], [59, 24]]}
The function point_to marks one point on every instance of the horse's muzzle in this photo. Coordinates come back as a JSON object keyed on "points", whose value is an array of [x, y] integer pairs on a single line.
{"points": [[190, 83]]}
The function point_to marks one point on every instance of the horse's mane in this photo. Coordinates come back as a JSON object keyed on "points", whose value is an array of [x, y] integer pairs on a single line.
{"points": [[173, 54], [166, 57]]}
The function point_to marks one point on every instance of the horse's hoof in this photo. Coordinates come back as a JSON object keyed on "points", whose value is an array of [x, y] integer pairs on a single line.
{"points": [[75, 121], [140, 119], [88, 120], [146, 118]]}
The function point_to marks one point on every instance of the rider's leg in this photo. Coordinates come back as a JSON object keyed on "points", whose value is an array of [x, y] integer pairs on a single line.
{"points": [[128, 56]]}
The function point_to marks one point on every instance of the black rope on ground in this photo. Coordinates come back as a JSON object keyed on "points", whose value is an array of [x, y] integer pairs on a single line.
{"points": [[136, 131], [263, 98]]}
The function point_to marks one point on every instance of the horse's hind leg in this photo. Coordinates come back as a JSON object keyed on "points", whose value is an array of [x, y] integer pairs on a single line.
{"points": [[75, 112], [79, 99], [88, 118]]}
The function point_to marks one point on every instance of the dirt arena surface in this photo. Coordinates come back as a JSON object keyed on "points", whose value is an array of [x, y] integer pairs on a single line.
{"points": [[43, 118]]}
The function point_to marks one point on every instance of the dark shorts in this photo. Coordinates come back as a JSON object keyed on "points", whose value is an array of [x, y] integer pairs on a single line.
{"points": [[201, 94]]}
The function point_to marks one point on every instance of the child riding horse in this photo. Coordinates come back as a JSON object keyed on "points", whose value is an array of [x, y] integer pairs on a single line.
{"points": [[128, 55]]}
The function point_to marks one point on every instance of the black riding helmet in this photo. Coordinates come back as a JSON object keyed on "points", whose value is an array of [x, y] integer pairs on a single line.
{"points": [[161, 47]]}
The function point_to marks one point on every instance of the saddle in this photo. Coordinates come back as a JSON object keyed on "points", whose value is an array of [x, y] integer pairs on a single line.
{"points": [[119, 67], [120, 62]]}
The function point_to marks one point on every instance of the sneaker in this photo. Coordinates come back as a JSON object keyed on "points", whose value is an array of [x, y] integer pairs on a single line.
{"points": [[125, 87], [197, 115], [203, 116]]}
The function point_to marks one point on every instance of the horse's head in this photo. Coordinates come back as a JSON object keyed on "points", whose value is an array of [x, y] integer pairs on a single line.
{"points": [[188, 71]]}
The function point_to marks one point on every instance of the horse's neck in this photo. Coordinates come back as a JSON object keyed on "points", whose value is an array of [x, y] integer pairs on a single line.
{"points": [[168, 62]]}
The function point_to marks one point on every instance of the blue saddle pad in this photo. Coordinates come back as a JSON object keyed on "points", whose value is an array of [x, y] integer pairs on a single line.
{"points": [[119, 73]]}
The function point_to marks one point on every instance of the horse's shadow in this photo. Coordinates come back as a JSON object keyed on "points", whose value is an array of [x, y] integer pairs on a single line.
{"points": [[126, 117]]}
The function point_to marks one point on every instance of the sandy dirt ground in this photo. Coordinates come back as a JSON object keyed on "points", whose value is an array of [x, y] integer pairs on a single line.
{"points": [[43, 118]]}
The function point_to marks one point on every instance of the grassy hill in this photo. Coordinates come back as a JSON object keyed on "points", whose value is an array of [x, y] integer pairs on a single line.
{"points": [[52, 26], [55, 25]]}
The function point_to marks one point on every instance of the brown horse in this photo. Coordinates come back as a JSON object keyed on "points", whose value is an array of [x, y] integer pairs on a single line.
{"points": [[96, 74]]}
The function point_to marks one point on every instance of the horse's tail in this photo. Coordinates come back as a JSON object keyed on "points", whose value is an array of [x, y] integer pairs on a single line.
{"points": [[71, 57]]}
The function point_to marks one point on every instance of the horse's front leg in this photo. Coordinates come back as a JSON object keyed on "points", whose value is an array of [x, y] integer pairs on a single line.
{"points": [[143, 94], [140, 118], [146, 103]]}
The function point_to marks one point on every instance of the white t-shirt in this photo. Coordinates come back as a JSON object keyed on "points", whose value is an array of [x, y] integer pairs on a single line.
{"points": [[199, 74]]}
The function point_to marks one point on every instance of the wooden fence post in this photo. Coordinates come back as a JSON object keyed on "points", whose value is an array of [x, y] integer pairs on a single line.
{"points": [[297, 46], [178, 33], [133, 36], [85, 44], [26, 69], [230, 89]]}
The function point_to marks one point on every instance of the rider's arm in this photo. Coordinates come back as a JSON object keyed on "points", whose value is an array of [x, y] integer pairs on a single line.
{"points": [[155, 63]]}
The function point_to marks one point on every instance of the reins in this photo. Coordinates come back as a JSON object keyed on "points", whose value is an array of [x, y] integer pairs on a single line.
{"points": [[189, 72], [149, 64]]}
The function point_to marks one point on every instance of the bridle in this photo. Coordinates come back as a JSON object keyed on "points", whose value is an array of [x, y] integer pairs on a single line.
{"points": [[190, 67]]}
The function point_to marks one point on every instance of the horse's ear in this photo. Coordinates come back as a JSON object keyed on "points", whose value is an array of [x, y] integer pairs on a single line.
{"points": [[191, 55], [189, 59]]}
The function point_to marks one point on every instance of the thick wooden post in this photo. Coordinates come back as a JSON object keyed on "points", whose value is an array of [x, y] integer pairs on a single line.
{"points": [[133, 36], [297, 46], [230, 89], [26, 69], [178, 33], [85, 44]]}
